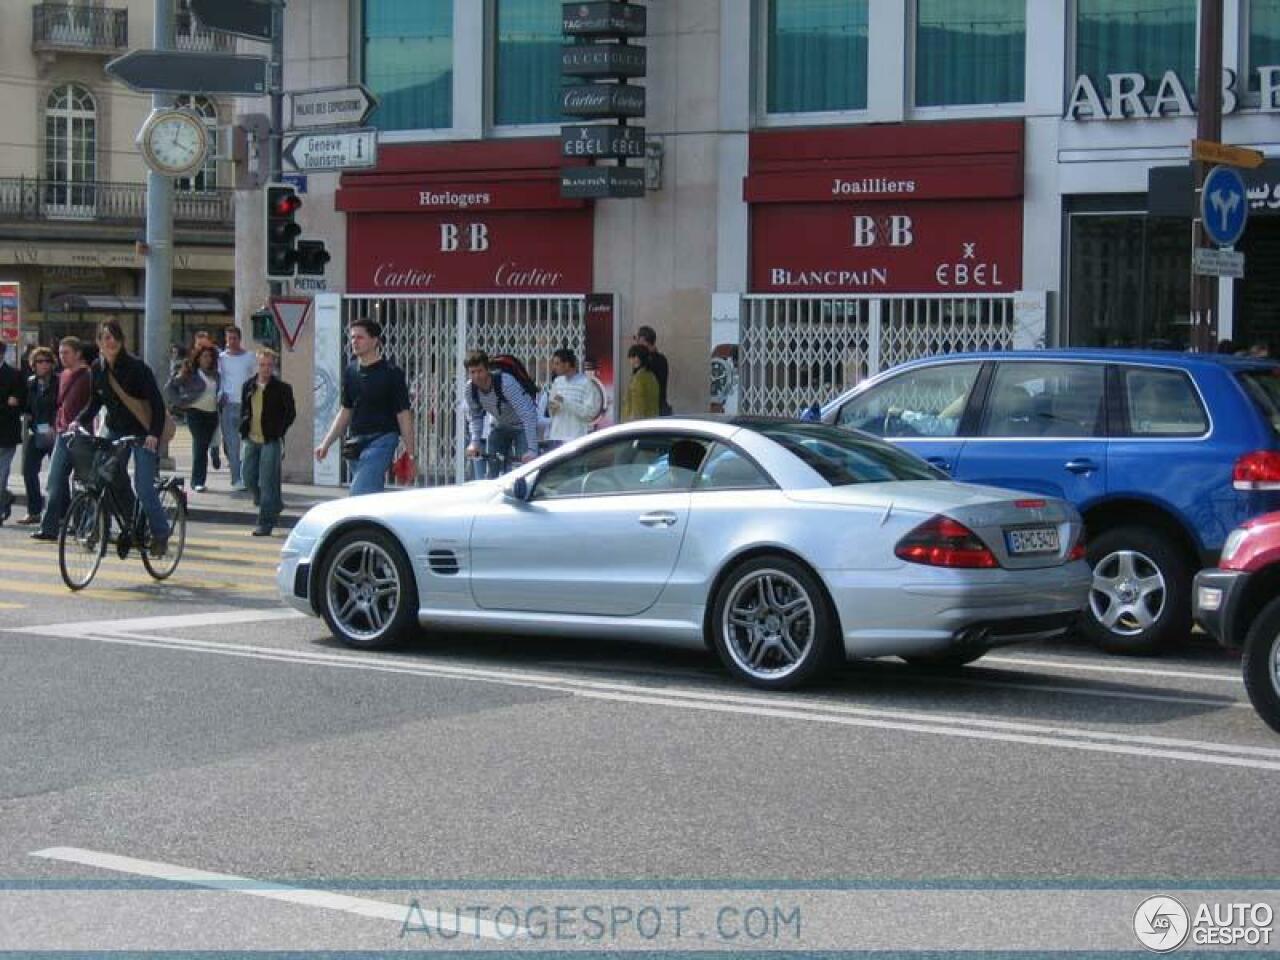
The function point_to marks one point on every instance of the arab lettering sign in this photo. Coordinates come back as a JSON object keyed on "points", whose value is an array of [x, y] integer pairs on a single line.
{"points": [[335, 150], [602, 102], [614, 20], [603, 140], [244, 18], [602, 61], [170, 71], [599, 183], [332, 107], [1207, 262]]}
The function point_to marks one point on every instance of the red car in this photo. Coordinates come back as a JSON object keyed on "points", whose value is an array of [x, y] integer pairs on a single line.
{"points": [[1238, 602]]}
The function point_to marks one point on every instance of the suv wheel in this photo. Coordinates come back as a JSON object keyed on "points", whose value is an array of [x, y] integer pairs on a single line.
{"points": [[1140, 601]]}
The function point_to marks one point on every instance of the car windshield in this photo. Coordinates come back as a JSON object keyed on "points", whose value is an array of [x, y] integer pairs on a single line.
{"points": [[1263, 384], [842, 458]]}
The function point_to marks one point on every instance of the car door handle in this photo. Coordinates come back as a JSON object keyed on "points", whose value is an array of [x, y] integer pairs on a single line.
{"points": [[660, 518], [942, 463], [1081, 465]]}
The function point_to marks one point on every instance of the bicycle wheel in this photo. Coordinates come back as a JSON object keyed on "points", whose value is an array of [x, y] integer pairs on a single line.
{"points": [[82, 541], [174, 505]]}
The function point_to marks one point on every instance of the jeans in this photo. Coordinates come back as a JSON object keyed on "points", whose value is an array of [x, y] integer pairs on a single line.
{"points": [[508, 442], [230, 418], [32, 458], [262, 478], [145, 467], [59, 487], [369, 473], [202, 424]]}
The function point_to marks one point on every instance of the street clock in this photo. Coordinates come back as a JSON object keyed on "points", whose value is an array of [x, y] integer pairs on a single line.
{"points": [[174, 143]]}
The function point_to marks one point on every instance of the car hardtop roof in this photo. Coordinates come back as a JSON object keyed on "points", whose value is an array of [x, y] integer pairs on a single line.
{"points": [[1106, 354]]}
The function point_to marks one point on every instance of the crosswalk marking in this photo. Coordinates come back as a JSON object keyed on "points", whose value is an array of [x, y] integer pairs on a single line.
{"points": [[193, 562], [133, 573], [59, 589]]}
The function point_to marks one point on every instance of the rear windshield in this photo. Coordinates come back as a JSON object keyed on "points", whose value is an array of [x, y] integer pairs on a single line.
{"points": [[1263, 385], [843, 458]]}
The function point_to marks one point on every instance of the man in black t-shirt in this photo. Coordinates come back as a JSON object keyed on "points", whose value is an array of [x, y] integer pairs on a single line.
{"points": [[646, 337], [375, 408]]}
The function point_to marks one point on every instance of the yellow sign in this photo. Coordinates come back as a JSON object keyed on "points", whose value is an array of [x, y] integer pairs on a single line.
{"points": [[1208, 151]]}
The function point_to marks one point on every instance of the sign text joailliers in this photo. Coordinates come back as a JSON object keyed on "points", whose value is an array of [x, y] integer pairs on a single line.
{"points": [[599, 183], [172, 71], [610, 60], [601, 140], [602, 102], [604, 19]]}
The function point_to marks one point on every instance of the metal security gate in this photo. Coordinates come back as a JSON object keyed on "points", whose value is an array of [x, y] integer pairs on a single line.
{"points": [[794, 351], [428, 337]]}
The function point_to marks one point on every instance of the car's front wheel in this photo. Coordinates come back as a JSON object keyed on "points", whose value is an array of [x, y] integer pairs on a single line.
{"points": [[1261, 664], [368, 596], [1140, 600], [772, 624]]}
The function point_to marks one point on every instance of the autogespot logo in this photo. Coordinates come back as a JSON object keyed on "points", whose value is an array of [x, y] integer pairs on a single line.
{"points": [[1161, 924]]}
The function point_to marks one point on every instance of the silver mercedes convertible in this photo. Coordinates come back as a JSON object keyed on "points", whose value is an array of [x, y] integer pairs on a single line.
{"points": [[785, 546]]}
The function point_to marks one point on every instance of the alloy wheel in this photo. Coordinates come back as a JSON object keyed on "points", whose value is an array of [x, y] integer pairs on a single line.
{"points": [[363, 590], [1128, 592], [769, 624]]}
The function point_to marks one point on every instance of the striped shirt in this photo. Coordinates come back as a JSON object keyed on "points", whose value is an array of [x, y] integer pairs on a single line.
{"points": [[515, 411]]}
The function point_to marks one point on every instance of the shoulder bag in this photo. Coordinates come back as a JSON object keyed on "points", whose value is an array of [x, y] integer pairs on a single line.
{"points": [[141, 413]]}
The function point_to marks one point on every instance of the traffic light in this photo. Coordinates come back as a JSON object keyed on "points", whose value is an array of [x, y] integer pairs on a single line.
{"points": [[312, 256], [283, 204], [265, 330]]}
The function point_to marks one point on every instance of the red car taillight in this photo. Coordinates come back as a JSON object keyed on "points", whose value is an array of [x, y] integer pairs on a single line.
{"points": [[1259, 470], [1078, 551], [943, 542]]}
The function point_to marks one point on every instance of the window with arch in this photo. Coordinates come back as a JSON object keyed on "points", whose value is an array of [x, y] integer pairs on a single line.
{"points": [[71, 149], [206, 178]]}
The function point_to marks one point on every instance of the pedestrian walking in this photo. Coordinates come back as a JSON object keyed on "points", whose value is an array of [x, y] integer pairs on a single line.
{"points": [[267, 413], [12, 403], [513, 433], [574, 400], [73, 396], [41, 414], [641, 400], [237, 367], [375, 415], [195, 391], [658, 366]]}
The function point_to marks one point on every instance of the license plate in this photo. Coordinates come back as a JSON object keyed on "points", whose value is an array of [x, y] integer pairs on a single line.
{"points": [[1032, 540]]}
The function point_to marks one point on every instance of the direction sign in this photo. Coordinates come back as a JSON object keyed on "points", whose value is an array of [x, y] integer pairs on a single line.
{"points": [[1210, 151], [601, 140], [291, 314], [1224, 206], [599, 183], [334, 150], [347, 106], [171, 71], [1207, 262], [244, 18]]}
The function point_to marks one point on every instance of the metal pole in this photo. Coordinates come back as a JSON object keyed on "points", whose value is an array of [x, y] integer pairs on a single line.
{"points": [[159, 282], [277, 106], [1204, 290]]}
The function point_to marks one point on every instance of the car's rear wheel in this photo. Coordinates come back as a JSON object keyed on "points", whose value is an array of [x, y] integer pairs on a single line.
{"points": [[772, 624], [368, 596], [1140, 600], [1261, 664]]}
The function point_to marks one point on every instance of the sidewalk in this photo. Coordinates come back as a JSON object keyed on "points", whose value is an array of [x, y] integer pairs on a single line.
{"points": [[217, 504]]}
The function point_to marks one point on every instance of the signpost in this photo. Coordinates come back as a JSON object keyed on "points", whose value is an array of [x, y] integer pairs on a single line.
{"points": [[332, 150], [1207, 262], [603, 61], [598, 183], [602, 102], [332, 107], [173, 72], [600, 19], [1209, 151], [244, 18]]}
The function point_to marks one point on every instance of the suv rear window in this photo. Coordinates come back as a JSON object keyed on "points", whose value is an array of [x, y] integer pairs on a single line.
{"points": [[1263, 385]]}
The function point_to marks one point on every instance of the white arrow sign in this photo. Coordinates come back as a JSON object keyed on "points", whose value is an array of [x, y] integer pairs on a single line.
{"points": [[332, 107], [343, 150]]}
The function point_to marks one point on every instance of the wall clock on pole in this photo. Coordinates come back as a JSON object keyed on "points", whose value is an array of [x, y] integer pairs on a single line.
{"points": [[174, 142]]}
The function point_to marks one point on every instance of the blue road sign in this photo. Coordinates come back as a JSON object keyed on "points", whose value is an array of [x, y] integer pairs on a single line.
{"points": [[1224, 206], [296, 180]]}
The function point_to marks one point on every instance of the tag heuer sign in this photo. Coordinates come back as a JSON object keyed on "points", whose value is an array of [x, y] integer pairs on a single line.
{"points": [[602, 60], [601, 140], [614, 20], [600, 183], [602, 102]]}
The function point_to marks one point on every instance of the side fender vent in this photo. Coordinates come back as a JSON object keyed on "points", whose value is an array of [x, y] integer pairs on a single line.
{"points": [[443, 562]]}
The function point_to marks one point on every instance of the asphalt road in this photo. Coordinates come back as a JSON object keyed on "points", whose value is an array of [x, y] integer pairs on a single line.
{"points": [[196, 725]]}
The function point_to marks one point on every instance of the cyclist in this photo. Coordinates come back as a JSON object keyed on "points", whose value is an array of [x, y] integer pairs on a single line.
{"points": [[514, 434], [126, 387]]}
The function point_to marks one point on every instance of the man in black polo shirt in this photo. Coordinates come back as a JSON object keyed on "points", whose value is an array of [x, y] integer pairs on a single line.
{"points": [[375, 406]]}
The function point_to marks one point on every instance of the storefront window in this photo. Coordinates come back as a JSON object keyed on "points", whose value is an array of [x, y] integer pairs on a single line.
{"points": [[1136, 36], [817, 55], [1130, 281], [527, 82], [408, 62], [1264, 37], [970, 51]]}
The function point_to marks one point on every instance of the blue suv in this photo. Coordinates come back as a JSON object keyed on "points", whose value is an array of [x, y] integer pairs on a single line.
{"points": [[1162, 453]]}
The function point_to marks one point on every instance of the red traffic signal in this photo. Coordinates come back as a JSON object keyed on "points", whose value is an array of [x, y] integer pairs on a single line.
{"points": [[282, 229]]}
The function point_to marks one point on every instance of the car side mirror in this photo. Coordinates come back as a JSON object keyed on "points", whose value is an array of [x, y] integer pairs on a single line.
{"points": [[518, 489]]}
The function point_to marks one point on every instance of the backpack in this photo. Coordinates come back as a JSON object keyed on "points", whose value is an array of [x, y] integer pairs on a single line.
{"points": [[502, 366]]}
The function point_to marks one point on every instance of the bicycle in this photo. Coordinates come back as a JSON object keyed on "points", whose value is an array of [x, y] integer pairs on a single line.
{"points": [[85, 532]]}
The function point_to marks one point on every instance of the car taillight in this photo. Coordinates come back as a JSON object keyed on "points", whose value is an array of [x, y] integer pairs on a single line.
{"points": [[943, 542], [1259, 470], [1078, 551]]}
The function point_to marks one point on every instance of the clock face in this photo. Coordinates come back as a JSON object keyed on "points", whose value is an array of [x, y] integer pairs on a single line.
{"points": [[175, 143]]}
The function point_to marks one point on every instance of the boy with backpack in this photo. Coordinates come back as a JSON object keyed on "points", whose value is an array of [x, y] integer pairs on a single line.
{"points": [[503, 389]]}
